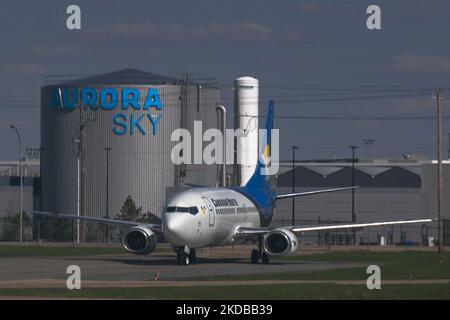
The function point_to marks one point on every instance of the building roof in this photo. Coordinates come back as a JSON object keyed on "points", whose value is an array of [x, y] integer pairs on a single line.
{"points": [[369, 173], [388, 177], [125, 76]]}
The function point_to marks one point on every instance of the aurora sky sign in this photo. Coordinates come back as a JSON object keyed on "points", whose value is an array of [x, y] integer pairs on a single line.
{"points": [[123, 102], [117, 101]]}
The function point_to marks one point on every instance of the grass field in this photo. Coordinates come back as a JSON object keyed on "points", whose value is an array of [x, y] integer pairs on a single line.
{"points": [[403, 265], [284, 292], [409, 265], [8, 251], [41, 251]]}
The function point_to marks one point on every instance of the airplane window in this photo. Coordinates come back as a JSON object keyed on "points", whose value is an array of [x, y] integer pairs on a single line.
{"points": [[193, 210]]}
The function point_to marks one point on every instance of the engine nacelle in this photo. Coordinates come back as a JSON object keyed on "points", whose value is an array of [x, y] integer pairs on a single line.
{"points": [[139, 240], [280, 242]]}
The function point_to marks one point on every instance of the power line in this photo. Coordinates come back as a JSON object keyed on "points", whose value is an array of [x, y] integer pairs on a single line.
{"points": [[348, 98], [353, 118]]}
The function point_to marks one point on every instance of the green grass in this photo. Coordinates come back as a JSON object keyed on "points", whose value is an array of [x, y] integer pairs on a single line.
{"points": [[8, 251], [394, 266], [41, 251], [316, 291]]}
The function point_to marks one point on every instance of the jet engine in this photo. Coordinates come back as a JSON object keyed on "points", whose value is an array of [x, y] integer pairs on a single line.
{"points": [[280, 242], [139, 240]]}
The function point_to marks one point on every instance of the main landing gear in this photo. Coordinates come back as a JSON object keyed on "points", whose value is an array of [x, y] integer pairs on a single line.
{"points": [[259, 253], [186, 256]]}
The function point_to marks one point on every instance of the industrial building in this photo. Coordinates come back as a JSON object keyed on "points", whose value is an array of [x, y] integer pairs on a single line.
{"points": [[10, 193], [389, 190]]}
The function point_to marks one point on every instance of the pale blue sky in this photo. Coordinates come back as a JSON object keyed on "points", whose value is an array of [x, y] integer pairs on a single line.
{"points": [[280, 42]]}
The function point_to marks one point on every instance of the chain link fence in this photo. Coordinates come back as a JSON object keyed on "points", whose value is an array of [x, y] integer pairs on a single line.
{"points": [[58, 230]]}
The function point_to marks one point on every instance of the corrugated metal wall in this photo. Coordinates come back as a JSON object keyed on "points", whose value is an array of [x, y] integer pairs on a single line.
{"points": [[10, 200], [139, 165], [429, 187], [371, 205]]}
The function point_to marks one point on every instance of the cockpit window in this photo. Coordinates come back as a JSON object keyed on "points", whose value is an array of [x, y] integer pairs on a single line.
{"points": [[191, 210]]}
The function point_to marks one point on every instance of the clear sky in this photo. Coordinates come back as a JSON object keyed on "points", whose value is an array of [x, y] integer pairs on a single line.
{"points": [[314, 58]]}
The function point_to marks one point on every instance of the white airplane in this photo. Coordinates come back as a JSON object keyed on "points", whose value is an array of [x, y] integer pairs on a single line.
{"points": [[208, 217]]}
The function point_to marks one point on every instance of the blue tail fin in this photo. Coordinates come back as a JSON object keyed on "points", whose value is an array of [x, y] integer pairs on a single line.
{"points": [[258, 179]]}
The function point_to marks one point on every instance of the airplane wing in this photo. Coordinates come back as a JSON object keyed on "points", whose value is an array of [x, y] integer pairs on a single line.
{"points": [[244, 232], [154, 227], [308, 193]]}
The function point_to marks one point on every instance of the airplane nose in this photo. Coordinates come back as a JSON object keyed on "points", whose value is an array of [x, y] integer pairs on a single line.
{"points": [[173, 226]]}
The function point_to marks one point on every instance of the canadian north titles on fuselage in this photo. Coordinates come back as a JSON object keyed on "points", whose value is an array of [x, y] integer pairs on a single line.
{"points": [[226, 202]]}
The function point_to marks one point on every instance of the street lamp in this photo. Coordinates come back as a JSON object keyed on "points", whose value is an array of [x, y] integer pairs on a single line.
{"points": [[21, 186], [293, 183], [353, 190]]}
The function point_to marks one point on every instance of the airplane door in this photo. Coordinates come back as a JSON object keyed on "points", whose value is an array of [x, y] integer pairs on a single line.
{"points": [[211, 212]]}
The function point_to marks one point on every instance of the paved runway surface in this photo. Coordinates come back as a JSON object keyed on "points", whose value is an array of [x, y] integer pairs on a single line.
{"points": [[126, 267]]}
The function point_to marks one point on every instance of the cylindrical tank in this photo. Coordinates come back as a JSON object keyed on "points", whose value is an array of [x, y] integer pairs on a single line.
{"points": [[246, 95], [139, 163]]}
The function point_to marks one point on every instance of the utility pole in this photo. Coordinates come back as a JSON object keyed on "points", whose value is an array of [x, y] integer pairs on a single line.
{"points": [[107, 149], [84, 123], [353, 191], [81, 174], [80, 150], [439, 97], [82, 225], [448, 152], [293, 183]]}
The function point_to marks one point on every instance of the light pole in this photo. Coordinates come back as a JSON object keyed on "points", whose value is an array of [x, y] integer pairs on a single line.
{"points": [[21, 186], [107, 149], [353, 190], [293, 183], [440, 183]]}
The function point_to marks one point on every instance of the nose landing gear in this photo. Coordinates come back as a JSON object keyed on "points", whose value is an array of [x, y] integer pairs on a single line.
{"points": [[185, 256], [259, 253]]}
